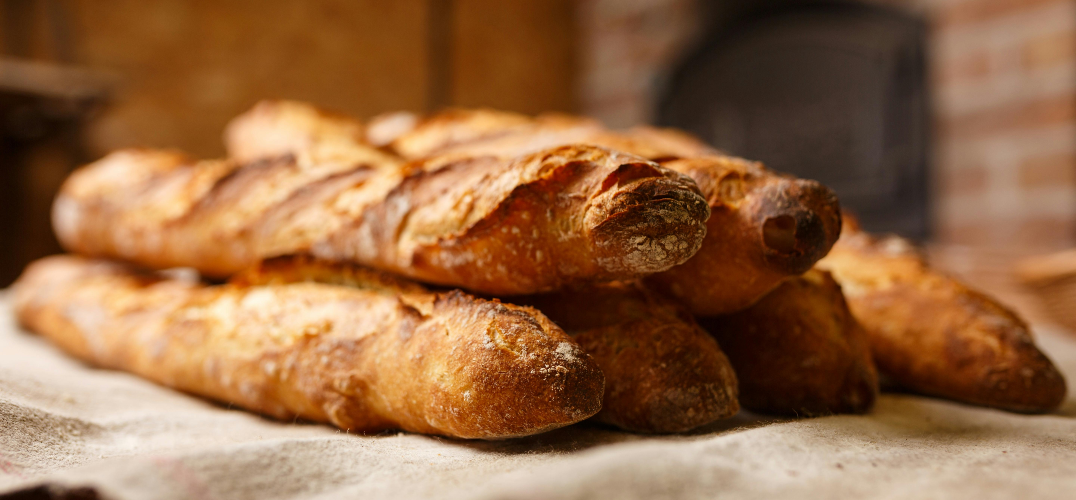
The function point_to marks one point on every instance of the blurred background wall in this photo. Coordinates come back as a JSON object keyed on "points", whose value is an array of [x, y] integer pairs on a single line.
{"points": [[948, 120], [171, 73], [1000, 77]]}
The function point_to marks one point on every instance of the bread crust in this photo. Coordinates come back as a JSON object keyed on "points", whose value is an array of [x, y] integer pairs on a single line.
{"points": [[799, 351], [495, 225], [439, 133], [663, 373], [380, 356], [933, 335], [317, 137], [763, 227]]}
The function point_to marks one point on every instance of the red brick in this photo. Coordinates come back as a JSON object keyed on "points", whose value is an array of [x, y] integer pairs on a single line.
{"points": [[1055, 170], [975, 11], [1031, 232], [1014, 117], [1052, 232], [1048, 51], [970, 67], [962, 181], [971, 233]]}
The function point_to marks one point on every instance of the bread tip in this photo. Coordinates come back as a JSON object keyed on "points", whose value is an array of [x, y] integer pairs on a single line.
{"points": [[647, 224], [800, 223], [524, 375]]}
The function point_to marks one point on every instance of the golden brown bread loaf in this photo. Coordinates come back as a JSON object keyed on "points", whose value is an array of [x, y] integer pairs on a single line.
{"points": [[799, 351], [663, 373], [763, 227], [377, 355], [162, 209], [931, 334], [495, 225]]}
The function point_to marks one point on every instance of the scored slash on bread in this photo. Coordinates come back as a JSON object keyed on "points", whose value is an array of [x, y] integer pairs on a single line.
{"points": [[269, 129], [379, 354], [527, 224]]}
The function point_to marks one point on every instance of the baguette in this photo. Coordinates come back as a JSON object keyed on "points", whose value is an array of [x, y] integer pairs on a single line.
{"points": [[799, 351], [763, 227], [662, 372], [495, 225], [932, 335], [380, 355]]}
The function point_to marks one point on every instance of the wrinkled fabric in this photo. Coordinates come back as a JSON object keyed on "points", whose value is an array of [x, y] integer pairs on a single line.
{"points": [[66, 428]]}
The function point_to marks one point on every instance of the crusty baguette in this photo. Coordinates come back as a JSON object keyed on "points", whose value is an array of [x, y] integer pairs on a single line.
{"points": [[799, 351], [932, 335], [161, 209], [663, 373], [495, 225], [381, 355], [763, 227]]}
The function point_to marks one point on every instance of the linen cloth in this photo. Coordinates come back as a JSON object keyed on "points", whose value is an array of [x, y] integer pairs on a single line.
{"points": [[71, 431]]}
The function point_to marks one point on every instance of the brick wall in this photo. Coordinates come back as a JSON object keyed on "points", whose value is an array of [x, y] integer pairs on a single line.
{"points": [[626, 49], [1003, 85], [1004, 80]]}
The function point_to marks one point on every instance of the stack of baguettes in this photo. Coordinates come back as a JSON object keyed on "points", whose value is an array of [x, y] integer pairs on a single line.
{"points": [[610, 242]]}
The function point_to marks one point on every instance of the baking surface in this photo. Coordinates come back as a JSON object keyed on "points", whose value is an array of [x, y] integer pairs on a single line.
{"points": [[70, 426]]}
